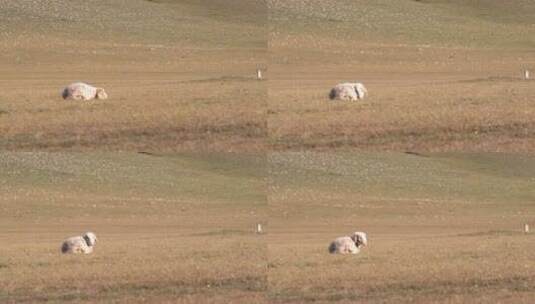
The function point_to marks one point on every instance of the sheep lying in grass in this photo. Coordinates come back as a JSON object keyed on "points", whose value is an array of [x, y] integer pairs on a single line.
{"points": [[83, 91], [348, 91], [79, 244], [349, 244]]}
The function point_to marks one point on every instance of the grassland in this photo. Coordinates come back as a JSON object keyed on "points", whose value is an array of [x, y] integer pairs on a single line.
{"points": [[442, 228], [180, 75], [442, 75], [149, 170], [171, 228]]}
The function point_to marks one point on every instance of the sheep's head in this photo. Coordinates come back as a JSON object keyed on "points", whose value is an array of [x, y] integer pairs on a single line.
{"points": [[65, 93], [360, 239], [90, 238], [101, 94]]}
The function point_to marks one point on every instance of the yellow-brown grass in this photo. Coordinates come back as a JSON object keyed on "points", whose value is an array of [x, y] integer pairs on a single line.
{"points": [[441, 228], [442, 75], [429, 100], [180, 76], [151, 106], [170, 228]]}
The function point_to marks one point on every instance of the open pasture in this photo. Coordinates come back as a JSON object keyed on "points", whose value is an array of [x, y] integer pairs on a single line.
{"points": [[170, 228], [442, 75], [181, 75], [442, 228]]}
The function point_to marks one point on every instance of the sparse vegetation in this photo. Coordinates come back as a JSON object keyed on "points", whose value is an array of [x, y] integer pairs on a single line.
{"points": [[442, 75], [168, 225], [442, 228], [177, 74], [190, 152]]}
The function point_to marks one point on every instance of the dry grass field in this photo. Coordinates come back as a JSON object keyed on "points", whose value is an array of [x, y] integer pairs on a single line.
{"points": [[191, 151], [180, 75], [442, 75], [442, 228], [171, 228]]}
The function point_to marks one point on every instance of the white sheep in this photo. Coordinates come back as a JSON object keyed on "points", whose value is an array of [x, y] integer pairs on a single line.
{"points": [[349, 244], [83, 91], [348, 91], [79, 244]]}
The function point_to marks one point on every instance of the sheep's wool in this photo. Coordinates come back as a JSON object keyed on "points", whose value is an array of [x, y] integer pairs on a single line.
{"points": [[83, 91], [348, 91], [79, 244]]}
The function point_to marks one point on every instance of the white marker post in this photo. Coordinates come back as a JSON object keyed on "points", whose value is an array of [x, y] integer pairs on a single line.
{"points": [[259, 228], [259, 74], [526, 75], [526, 228]]}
